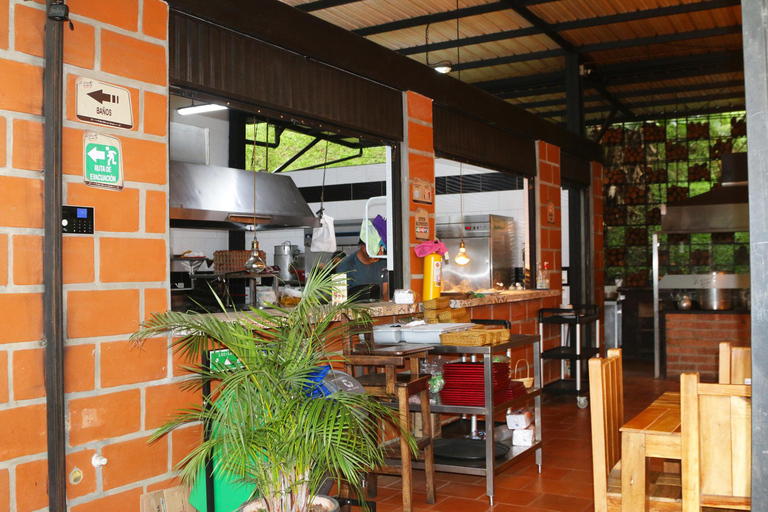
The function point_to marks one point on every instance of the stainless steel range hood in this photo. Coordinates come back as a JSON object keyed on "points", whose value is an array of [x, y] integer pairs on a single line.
{"points": [[723, 209], [205, 196]]}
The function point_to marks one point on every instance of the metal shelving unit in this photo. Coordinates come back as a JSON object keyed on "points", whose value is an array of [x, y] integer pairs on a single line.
{"points": [[491, 466], [577, 354]]}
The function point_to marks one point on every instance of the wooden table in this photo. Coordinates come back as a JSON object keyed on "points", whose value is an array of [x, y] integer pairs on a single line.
{"points": [[655, 432]]}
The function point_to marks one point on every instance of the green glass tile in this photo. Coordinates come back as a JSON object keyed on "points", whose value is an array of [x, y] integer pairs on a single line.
{"points": [[701, 239]]}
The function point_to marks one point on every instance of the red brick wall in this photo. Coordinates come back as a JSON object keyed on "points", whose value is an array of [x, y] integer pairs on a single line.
{"points": [[115, 394], [693, 341], [550, 244], [420, 165]]}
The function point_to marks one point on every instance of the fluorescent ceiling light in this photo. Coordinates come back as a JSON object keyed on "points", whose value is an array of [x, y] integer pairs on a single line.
{"points": [[199, 109], [443, 68]]}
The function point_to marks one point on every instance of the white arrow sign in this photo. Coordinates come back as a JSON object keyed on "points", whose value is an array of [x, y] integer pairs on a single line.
{"points": [[97, 155]]}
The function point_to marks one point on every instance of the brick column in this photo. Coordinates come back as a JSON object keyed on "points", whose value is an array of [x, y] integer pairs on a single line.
{"points": [[420, 156], [116, 395], [549, 237]]}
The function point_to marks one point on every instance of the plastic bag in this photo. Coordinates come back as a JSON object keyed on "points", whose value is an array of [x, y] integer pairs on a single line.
{"points": [[324, 237]]}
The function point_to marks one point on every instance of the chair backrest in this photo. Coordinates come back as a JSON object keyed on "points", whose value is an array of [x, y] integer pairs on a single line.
{"points": [[716, 423], [606, 393], [735, 364]]}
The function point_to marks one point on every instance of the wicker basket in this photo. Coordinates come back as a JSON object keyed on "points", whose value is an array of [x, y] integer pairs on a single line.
{"points": [[470, 338], [438, 303], [432, 314], [226, 262], [451, 315], [500, 334], [527, 380]]}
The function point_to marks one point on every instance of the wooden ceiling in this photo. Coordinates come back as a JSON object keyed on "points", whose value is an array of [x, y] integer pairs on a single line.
{"points": [[640, 59]]}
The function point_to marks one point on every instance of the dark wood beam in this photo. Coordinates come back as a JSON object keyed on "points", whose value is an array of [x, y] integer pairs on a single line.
{"points": [[606, 124], [540, 91], [656, 103], [615, 103], [571, 25], [649, 70], [276, 23], [727, 84], [540, 24], [598, 47], [324, 4], [419, 21], [676, 114]]}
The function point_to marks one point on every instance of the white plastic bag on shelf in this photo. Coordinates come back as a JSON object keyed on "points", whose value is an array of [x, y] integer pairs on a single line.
{"points": [[324, 237]]}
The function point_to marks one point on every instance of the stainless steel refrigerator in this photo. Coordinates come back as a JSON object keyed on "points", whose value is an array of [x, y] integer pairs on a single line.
{"points": [[490, 244]]}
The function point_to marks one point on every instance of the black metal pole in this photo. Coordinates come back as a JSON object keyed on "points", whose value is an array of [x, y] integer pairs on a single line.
{"points": [[53, 306], [574, 94]]}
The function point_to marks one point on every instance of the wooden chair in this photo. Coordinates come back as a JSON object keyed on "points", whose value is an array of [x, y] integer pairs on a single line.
{"points": [[606, 390], [735, 364], [716, 423], [365, 362]]}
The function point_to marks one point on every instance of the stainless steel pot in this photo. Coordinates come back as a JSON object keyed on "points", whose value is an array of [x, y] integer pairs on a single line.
{"points": [[715, 299], [286, 257]]}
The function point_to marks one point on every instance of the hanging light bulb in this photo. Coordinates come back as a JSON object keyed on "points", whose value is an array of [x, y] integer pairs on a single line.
{"points": [[255, 263], [462, 258]]}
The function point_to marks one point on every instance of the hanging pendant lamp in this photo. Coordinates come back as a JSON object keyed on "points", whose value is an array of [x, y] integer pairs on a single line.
{"points": [[255, 263], [462, 258]]}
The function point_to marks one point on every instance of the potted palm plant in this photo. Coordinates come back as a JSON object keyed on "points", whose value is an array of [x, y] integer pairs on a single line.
{"points": [[268, 427]]}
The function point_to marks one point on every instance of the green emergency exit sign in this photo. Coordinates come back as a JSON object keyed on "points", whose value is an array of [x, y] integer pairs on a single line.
{"points": [[102, 161]]}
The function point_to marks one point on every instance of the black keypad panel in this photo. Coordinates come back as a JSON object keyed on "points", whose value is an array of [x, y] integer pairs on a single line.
{"points": [[77, 220]]}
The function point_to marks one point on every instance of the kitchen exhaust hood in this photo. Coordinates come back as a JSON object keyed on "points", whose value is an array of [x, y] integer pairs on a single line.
{"points": [[724, 209], [206, 196]]}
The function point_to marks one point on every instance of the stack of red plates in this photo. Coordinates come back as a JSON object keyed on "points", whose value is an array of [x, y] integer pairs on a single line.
{"points": [[465, 384]]}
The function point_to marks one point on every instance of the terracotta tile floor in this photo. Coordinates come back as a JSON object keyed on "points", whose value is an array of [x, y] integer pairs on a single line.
{"points": [[565, 483]]}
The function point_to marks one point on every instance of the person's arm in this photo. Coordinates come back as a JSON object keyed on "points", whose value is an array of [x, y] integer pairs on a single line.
{"points": [[384, 281]]}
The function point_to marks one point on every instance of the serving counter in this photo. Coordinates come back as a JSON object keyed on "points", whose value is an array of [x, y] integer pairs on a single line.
{"points": [[515, 306]]}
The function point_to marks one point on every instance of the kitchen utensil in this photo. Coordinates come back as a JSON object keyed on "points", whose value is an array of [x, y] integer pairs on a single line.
{"points": [[715, 299], [286, 257], [684, 304]]}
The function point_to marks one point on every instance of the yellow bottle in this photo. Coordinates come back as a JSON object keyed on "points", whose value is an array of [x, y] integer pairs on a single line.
{"points": [[433, 276]]}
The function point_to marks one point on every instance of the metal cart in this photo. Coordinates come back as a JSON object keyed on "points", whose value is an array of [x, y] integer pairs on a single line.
{"points": [[491, 466], [578, 317]]}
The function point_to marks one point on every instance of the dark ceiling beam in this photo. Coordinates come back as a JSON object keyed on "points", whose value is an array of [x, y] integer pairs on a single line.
{"points": [[574, 83], [614, 103], [670, 68], [276, 23], [644, 92], [726, 84], [572, 25], [598, 47], [523, 83], [649, 70], [541, 91], [468, 41], [677, 114], [539, 23], [656, 103], [324, 4], [420, 21]]}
